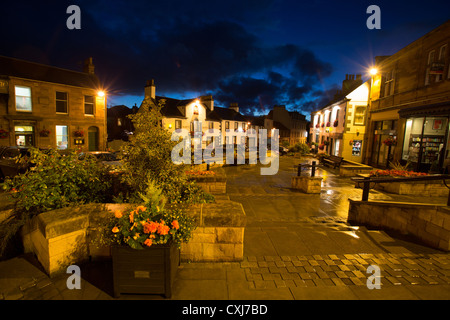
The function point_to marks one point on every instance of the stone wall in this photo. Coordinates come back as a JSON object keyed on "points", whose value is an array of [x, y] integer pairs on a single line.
{"points": [[428, 223], [351, 168], [62, 237], [423, 188], [214, 184]]}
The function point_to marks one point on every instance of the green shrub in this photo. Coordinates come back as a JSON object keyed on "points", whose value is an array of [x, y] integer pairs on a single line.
{"points": [[301, 148], [53, 182], [56, 181]]}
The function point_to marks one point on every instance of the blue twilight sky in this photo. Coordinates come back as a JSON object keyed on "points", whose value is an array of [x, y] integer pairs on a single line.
{"points": [[257, 53]]}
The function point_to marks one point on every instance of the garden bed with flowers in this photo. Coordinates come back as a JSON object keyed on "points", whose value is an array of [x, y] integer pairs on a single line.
{"points": [[433, 188]]}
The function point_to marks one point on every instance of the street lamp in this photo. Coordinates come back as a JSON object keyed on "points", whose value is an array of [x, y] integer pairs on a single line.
{"points": [[373, 71]]}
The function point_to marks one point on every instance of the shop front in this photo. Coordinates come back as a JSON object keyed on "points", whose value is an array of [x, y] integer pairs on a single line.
{"points": [[384, 143], [425, 144]]}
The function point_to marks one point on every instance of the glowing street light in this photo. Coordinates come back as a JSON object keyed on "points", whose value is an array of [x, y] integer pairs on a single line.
{"points": [[373, 71], [101, 93]]}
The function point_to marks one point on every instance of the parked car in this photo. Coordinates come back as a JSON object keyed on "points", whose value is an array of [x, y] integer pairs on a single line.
{"points": [[9, 166]]}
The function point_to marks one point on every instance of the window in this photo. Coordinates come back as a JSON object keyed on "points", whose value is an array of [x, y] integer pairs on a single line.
{"points": [[429, 63], [89, 105], [177, 124], [360, 113], [227, 125], [211, 125], [441, 63], [119, 122], [236, 126], [62, 137], [61, 102], [23, 98], [389, 83]]}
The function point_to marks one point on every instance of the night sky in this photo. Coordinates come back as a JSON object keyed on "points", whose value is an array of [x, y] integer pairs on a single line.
{"points": [[256, 53]]}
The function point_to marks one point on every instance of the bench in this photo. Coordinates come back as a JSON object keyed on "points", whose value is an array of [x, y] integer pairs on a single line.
{"points": [[335, 161]]}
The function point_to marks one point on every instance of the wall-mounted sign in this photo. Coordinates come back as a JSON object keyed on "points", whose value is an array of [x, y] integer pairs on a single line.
{"points": [[437, 68], [78, 141], [3, 86]]}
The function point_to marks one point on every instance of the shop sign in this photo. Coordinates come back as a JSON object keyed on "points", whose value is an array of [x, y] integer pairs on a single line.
{"points": [[3, 86]]}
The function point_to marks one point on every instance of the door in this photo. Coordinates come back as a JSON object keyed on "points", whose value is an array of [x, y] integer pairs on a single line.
{"points": [[93, 138]]}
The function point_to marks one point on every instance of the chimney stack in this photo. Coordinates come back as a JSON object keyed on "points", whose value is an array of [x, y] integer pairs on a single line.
{"points": [[150, 89], [351, 82], [234, 106], [88, 66]]}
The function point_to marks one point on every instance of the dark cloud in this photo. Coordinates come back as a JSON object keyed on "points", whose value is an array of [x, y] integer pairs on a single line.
{"points": [[184, 46]]}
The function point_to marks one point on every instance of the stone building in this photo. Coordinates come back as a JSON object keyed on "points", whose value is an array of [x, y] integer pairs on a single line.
{"points": [[410, 105], [292, 125], [49, 107], [197, 114], [340, 126]]}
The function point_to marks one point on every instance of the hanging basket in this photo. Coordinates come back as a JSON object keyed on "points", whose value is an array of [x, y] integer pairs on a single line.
{"points": [[44, 133], [3, 134]]}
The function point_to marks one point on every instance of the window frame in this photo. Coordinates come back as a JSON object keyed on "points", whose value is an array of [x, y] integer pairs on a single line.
{"points": [[363, 118], [67, 102], [30, 98], [89, 103]]}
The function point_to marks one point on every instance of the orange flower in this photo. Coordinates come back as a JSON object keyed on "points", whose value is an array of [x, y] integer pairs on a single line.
{"points": [[115, 230], [163, 229], [175, 224], [151, 227], [142, 208], [131, 216], [118, 214], [148, 242]]}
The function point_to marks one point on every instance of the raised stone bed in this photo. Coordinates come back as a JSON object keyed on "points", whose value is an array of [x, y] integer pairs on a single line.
{"points": [[428, 223], [351, 169], [62, 237], [214, 184], [434, 188]]}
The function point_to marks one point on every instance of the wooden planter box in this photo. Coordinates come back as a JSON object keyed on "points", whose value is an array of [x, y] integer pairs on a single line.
{"points": [[148, 271]]}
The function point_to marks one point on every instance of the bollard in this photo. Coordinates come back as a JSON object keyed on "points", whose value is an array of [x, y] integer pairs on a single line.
{"points": [[313, 169], [299, 170]]}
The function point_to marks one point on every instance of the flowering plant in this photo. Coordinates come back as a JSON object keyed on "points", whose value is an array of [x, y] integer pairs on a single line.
{"points": [[389, 141], [78, 133], [321, 147], [149, 224], [199, 173], [336, 123], [396, 173], [328, 124], [3, 134], [44, 133], [317, 125], [322, 125]]}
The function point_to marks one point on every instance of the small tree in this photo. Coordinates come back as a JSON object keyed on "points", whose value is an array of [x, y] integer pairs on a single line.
{"points": [[148, 158]]}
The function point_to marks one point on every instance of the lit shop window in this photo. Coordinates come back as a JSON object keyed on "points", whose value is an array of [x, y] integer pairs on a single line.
{"points": [[62, 137]]}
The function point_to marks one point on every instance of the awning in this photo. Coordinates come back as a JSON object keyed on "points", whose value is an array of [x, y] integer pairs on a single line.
{"points": [[442, 108]]}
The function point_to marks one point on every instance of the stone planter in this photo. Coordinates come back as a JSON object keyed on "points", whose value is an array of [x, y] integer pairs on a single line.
{"points": [[64, 236], [434, 188], [307, 184], [148, 271], [214, 184]]}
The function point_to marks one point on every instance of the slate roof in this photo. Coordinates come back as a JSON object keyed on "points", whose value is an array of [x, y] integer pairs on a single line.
{"points": [[35, 71], [228, 114]]}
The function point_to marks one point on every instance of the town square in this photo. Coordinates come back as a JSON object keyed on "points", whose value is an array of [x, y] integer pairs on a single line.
{"points": [[219, 157]]}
